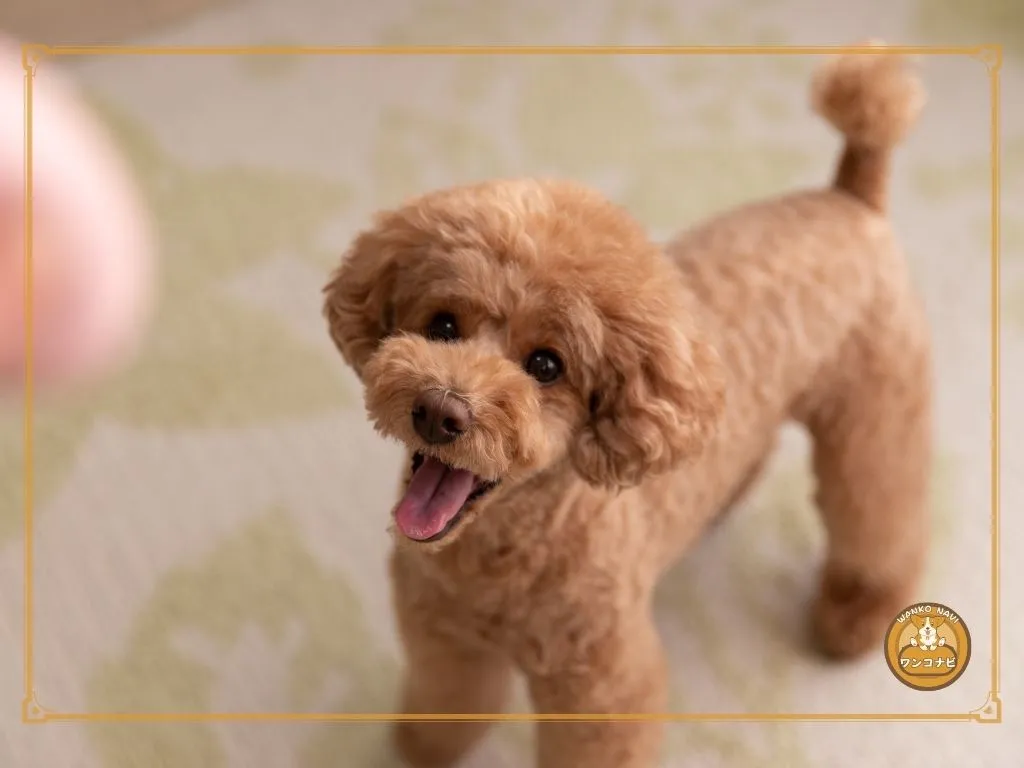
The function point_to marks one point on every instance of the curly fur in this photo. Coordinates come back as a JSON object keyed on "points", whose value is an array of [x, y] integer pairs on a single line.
{"points": [[681, 363]]}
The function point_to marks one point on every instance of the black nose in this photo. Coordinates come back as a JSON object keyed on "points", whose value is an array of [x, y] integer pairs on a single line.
{"points": [[440, 417]]}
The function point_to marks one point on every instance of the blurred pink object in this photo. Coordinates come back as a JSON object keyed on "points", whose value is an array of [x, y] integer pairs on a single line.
{"points": [[93, 253]]}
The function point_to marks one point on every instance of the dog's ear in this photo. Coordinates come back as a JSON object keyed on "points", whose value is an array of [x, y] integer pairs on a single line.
{"points": [[938, 621], [659, 407], [357, 299], [917, 621]]}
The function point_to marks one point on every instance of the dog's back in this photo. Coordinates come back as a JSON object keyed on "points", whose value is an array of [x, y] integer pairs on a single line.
{"points": [[786, 286], [792, 275]]}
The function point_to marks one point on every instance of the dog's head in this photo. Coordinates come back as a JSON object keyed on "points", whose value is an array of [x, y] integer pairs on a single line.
{"points": [[926, 627], [514, 327]]}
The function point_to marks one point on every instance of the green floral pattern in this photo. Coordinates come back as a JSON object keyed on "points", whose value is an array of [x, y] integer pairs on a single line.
{"points": [[261, 580], [209, 360]]}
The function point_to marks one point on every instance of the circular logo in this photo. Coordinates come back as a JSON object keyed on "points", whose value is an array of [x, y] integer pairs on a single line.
{"points": [[927, 646]]}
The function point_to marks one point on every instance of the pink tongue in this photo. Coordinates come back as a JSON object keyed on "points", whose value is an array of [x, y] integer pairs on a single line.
{"points": [[435, 495]]}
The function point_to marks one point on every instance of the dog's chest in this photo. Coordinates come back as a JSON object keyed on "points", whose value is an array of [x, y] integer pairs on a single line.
{"points": [[512, 598]]}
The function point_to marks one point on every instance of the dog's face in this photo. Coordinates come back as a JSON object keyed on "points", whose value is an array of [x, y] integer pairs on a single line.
{"points": [[513, 327], [926, 628]]}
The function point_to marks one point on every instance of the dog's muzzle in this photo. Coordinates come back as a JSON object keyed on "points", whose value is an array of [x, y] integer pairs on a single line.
{"points": [[440, 416]]}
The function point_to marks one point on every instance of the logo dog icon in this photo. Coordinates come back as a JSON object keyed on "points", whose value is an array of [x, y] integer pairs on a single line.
{"points": [[927, 638]]}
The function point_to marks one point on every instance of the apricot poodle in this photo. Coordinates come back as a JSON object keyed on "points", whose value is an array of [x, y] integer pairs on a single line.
{"points": [[578, 403]]}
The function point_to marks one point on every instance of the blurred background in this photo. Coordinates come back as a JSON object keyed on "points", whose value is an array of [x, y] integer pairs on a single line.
{"points": [[210, 523]]}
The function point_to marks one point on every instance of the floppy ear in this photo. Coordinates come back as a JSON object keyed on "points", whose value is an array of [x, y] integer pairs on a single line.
{"points": [[660, 409], [357, 300]]}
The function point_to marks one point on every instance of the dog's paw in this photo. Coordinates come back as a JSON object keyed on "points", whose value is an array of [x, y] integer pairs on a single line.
{"points": [[913, 641], [851, 615], [435, 745], [418, 749]]}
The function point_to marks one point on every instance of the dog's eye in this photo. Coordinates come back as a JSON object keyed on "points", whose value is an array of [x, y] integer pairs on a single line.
{"points": [[443, 327], [544, 365]]}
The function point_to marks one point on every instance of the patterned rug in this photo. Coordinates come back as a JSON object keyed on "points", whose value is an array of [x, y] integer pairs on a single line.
{"points": [[210, 525]]}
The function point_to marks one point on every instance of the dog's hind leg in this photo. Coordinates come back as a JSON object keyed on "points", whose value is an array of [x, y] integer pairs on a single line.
{"points": [[871, 429]]}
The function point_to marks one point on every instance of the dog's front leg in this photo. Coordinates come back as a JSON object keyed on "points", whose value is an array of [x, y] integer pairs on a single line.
{"points": [[623, 673], [446, 673]]}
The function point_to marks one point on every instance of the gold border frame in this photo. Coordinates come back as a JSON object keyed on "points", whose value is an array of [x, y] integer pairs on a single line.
{"points": [[32, 54]]}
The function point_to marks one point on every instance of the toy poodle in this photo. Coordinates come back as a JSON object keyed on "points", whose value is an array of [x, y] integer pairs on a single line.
{"points": [[579, 403]]}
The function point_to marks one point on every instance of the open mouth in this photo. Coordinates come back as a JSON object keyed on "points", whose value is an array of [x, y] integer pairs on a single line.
{"points": [[436, 498]]}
